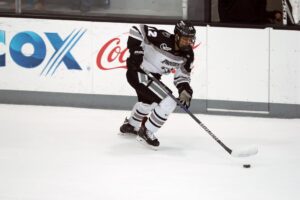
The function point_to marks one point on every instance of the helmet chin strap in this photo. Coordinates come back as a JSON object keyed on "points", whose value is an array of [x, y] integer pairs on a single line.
{"points": [[177, 38]]}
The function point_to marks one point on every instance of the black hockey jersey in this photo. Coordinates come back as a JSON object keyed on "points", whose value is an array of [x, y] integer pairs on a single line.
{"points": [[159, 54]]}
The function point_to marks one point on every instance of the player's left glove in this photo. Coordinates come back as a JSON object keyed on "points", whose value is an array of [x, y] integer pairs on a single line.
{"points": [[185, 94]]}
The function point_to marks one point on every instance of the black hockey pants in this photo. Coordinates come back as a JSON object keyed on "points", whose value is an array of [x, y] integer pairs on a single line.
{"points": [[147, 90]]}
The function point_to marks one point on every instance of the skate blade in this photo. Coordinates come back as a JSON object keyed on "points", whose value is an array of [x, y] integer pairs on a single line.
{"points": [[142, 141], [126, 135], [122, 134]]}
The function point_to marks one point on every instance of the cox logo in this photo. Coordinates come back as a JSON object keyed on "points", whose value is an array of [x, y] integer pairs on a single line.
{"points": [[29, 39]]}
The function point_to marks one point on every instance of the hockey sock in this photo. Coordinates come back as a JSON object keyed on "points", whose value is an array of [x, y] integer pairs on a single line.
{"points": [[160, 114], [139, 111]]}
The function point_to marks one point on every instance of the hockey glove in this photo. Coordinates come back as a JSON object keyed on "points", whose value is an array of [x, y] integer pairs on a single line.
{"points": [[185, 94], [185, 98]]}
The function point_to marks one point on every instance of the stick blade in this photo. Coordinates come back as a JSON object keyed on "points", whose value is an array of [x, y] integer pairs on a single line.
{"points": [[245, 152]]}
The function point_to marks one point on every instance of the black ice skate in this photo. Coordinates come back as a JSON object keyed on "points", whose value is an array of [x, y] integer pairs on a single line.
{"points": [[126, 128], [145, 136]]}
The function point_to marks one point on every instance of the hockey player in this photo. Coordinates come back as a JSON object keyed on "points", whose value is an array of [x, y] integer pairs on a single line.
{"points": [[158, 52]]}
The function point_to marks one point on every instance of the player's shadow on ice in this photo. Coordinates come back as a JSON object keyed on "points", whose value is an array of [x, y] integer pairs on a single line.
{"points": [[129, 146]]}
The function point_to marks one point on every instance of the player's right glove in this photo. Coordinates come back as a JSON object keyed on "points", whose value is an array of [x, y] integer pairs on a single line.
{"points": [[185, 94]]}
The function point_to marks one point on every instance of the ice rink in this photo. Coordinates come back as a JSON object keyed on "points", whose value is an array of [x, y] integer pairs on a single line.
{"points": [[58, 153]]}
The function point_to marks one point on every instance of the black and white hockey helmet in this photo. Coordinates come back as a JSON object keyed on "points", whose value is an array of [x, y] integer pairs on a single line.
{"points": [[184, 28]]}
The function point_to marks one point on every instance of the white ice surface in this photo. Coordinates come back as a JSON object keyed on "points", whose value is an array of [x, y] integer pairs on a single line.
{"points": [[57, 153]]}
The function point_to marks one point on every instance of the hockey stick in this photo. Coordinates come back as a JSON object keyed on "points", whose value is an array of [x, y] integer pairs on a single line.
{"points": [[236, 153]]}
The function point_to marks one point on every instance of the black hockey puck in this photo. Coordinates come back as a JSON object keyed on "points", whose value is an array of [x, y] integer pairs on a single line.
{"points": [[246, 165]]}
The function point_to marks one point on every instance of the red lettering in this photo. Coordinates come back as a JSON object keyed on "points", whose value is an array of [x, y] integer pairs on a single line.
{"points": [[113, 54]]}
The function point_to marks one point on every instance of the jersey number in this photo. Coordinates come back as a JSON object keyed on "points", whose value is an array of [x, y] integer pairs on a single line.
{"points": [[152, 33]]}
